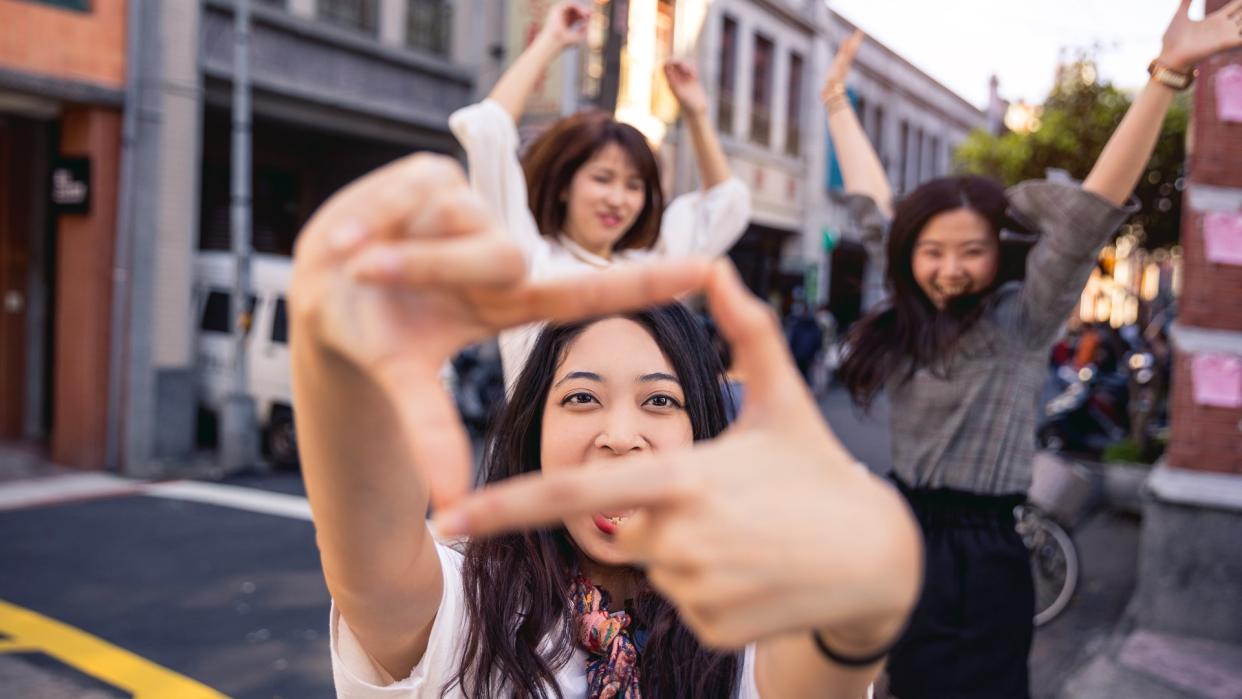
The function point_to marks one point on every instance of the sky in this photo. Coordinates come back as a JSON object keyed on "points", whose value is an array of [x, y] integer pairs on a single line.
{"points": [[962, 43]]}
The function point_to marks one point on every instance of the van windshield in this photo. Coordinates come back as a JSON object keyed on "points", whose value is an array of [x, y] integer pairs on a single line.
{"points": [[217, 312]]}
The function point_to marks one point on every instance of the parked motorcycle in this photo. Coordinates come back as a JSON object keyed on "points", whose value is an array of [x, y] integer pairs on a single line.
{"points": [[1089, 413], [479, 386]]}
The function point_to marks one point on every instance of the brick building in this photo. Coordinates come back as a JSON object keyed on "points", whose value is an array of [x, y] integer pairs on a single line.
{"points": [[62, 82], [1191, 566], [1184, 637]]}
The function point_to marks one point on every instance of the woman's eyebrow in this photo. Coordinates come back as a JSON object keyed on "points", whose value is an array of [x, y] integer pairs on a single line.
{"points": [[588, 375], [658, 376]]}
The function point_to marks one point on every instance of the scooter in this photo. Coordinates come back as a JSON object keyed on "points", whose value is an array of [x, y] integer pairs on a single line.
{"points": [[1088, 414], [479, 388]]}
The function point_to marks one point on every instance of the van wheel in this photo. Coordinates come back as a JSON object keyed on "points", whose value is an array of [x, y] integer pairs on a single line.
{"points": [[280, 438]]}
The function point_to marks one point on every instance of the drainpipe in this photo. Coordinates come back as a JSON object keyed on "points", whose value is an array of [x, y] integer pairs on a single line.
{"points": [[121, 262]]}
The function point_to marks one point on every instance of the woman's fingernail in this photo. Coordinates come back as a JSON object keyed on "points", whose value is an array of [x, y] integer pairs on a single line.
{"points": [[347, 236]]}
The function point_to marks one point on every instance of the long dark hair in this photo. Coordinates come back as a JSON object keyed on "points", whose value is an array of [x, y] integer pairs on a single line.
{"points": [[517, 585], [908, 332], [552, 160]]}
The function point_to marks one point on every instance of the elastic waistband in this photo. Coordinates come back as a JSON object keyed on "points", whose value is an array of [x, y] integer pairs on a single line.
{"points": [[950, 504]]}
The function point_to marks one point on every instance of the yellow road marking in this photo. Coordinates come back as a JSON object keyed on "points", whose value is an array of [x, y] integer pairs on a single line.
{"points": [[144, 679]]}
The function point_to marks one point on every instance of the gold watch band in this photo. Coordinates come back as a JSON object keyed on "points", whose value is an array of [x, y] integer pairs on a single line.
{"points": [[1168, 77]]}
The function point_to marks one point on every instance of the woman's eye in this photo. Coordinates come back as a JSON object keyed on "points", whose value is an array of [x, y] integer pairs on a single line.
{"points": [[663, 401], [579, 398]]}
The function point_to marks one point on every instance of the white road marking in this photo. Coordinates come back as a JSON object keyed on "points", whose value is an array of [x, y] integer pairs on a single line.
{"points": [[237, 497], [50, 490]]}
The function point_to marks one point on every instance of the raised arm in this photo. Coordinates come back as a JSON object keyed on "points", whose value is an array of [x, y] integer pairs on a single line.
{"points": [[683, 79], [565, 25], [860, 165], [392, 276], [1185, 44], [812, 545]]}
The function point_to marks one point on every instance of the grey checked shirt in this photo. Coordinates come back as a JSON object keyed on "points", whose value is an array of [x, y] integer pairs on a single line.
{"points": [[975, 429]]}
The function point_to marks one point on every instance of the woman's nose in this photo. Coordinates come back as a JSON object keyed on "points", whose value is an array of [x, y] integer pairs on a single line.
{"points": [[621, 435]]}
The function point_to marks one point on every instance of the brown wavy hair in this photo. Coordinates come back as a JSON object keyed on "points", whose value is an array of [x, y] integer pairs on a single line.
{"points": [[908, 332], [517, 585], [552, 160]]}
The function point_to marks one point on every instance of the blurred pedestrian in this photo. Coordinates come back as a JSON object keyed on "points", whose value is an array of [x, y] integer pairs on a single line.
{"points": [[961, 352], [805, 338], [586, 195]]}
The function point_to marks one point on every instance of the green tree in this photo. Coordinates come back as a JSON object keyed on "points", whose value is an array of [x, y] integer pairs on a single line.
{"points": [[1076, 120]]}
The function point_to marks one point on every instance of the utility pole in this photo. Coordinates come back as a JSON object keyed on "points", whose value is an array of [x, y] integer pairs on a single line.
{"points": [[239, 433]]}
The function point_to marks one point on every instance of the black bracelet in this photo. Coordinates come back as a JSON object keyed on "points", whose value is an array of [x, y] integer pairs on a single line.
{"points": [[846, 661]]}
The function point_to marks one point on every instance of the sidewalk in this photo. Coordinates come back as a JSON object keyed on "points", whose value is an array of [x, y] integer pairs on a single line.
{"points": [[1144, 664], [28, 479]]}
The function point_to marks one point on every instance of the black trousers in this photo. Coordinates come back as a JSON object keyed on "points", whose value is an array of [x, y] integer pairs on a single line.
{"points": [[970, 634]]}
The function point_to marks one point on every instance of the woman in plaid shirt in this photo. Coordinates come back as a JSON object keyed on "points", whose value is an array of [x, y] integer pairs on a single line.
{"points": [[960, 349]]}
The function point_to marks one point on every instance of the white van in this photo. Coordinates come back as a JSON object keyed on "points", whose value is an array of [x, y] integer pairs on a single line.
{"points": [[267, 346]]}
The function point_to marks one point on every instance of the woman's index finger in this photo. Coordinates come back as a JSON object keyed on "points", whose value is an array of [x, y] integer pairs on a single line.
{"points": [[541, 499]]}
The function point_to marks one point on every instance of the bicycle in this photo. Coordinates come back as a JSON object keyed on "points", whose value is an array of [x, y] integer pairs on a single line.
{"points": [[1063, 493], [1054, 561]]}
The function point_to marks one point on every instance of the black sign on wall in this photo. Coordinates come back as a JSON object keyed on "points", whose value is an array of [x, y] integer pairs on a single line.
{"points": [[71, 185]]}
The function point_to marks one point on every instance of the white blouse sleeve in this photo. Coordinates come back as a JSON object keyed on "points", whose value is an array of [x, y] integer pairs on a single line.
{"points": [[705, 222], [490, 138], [357, 676]]}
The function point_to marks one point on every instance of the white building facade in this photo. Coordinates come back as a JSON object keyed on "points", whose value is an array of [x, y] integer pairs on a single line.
{"points": [[915, 124]]}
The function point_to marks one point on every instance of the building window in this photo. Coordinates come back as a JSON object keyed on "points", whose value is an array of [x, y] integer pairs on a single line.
{"points": [[878, 136], [903, 162], [916, 164], [761, 92], [793, 131], [663, 103], [933, 157], [728, 75], [355, 14], [429, 26]]}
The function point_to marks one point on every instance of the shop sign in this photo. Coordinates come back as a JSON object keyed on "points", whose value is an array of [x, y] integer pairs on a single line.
{"points": [[71, 185]]}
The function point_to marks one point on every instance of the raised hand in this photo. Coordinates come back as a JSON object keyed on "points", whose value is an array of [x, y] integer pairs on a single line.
{"points": [[772, 527], [1187, 42], [683, 80], [404, 267], [566, 23], [834, 82]]}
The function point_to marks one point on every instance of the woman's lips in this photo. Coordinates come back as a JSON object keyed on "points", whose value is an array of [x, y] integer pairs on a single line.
{"points": [[607, 522], [610, 220]]}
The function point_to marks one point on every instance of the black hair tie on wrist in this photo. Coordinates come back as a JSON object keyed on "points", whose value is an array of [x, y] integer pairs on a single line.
{"points": [[846, 661]]}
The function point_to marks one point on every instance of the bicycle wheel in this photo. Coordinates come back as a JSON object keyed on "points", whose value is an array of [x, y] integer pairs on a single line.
{"points": [[1054, 563]]}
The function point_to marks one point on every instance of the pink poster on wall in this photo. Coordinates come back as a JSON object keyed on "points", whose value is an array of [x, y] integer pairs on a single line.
{"points": [[1222, 238], [1217, 380], [1229, 93]]}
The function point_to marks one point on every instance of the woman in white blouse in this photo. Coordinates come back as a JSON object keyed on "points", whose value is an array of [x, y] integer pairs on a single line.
{"points": [[586, 194]]}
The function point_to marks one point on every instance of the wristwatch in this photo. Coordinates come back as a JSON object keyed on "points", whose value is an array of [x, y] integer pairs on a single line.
{"points": [[1168, 77]]}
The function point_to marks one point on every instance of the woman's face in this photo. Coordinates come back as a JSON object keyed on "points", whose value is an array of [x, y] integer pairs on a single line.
{"points": [[614, 394], [955, 254], [604, 198]]}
